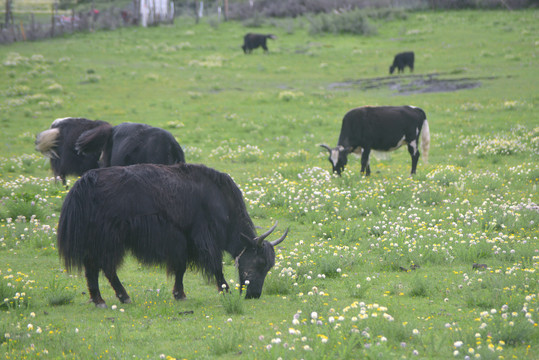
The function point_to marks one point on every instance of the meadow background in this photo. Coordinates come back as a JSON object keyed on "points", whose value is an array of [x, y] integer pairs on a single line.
{"points": [[343, 284]]}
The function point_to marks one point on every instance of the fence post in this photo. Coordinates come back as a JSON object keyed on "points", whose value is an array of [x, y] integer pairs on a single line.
{"points": [[52, 18], [9, 13]]}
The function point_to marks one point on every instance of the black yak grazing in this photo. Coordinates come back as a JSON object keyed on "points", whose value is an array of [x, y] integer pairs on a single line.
{"points": [[252, 41], [383, 128], [58, 144], [129, 144], [402, 60], [75, 145], [178, 215]]}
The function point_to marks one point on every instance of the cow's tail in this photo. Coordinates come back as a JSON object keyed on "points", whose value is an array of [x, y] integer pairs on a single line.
{"points": [[46, 142], [75, 232], [94, 140], [425, 141]]}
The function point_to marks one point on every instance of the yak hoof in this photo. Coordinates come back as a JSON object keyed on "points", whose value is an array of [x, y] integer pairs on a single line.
{"points": [[101, 305], [180, 296]]}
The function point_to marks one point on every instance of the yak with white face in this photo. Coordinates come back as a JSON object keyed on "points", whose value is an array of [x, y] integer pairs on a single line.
{"points": [[382, 128]]}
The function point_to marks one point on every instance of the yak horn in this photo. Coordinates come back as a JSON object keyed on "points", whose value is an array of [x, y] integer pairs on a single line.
{"points": [[280, 240], [326, 147], [258, 240]]}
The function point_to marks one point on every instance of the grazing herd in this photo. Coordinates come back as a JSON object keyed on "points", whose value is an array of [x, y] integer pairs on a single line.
{"points": [[136, 194]]}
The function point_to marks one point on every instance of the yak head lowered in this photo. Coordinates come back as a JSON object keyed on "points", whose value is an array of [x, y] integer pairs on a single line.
{"points": [[255, 260], [338, 157]]}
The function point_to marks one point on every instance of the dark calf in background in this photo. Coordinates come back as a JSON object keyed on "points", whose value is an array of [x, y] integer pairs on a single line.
{"points": [[252, 41], [401, 61]]}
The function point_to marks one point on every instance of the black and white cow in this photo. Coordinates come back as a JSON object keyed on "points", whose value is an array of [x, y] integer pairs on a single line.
{"points": [[383, 128], [252, 41], [401, 61]]}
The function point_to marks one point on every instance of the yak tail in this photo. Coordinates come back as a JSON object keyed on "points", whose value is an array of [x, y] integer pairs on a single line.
{"points": [[46, 141], [94, 140], [425, 141], [74, 235]]}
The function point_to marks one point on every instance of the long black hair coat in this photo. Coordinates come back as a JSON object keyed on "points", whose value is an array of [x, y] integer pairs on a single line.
{"points": [[176, 215]]}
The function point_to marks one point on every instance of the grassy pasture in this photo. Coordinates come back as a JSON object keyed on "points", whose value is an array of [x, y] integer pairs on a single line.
{"points": [[337, 290]]}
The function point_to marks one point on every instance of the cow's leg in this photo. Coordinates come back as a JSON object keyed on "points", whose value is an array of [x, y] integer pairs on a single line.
{"points": [[92, 279], [178, 292], [414, 153], [365, 161], [118, 287], [264, 47]]}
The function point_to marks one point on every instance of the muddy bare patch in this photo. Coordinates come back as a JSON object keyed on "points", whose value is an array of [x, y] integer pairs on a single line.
{"points": [[412, 84]]}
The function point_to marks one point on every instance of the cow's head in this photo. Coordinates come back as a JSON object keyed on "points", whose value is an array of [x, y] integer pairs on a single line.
{"points": [[254, 262], [338, 157], [391, 69]]}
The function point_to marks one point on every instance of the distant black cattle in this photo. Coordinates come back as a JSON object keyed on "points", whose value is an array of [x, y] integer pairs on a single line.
{"points": [[384, 128], [75, 145], [401, 61], [180, 216], [252, 41]]}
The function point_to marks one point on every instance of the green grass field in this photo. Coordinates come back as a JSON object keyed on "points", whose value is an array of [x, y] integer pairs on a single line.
{"points": [[337, 290]]}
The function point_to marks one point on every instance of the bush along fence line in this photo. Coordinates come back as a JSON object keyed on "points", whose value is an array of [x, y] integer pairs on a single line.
{"points": [[139, 12]]}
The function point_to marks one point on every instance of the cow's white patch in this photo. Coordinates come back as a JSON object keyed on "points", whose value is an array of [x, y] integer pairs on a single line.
{"points": [[59, 120], [416, 131], [334, 157], [413, 107], [399, 144], [413, 144]]}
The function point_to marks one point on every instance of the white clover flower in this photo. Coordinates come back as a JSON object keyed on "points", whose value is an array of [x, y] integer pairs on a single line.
{"points": [[458, 344]]}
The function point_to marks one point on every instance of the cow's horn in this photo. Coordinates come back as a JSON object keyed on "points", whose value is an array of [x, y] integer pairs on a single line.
{"points": [[280, 240], [326, 147], [258, 240]]}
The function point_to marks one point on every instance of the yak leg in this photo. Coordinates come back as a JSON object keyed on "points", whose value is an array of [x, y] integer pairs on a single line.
{"points": [[365, 161], [92, 279], [118, 287], [414, 153], [222, 285], [178, 292]]}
